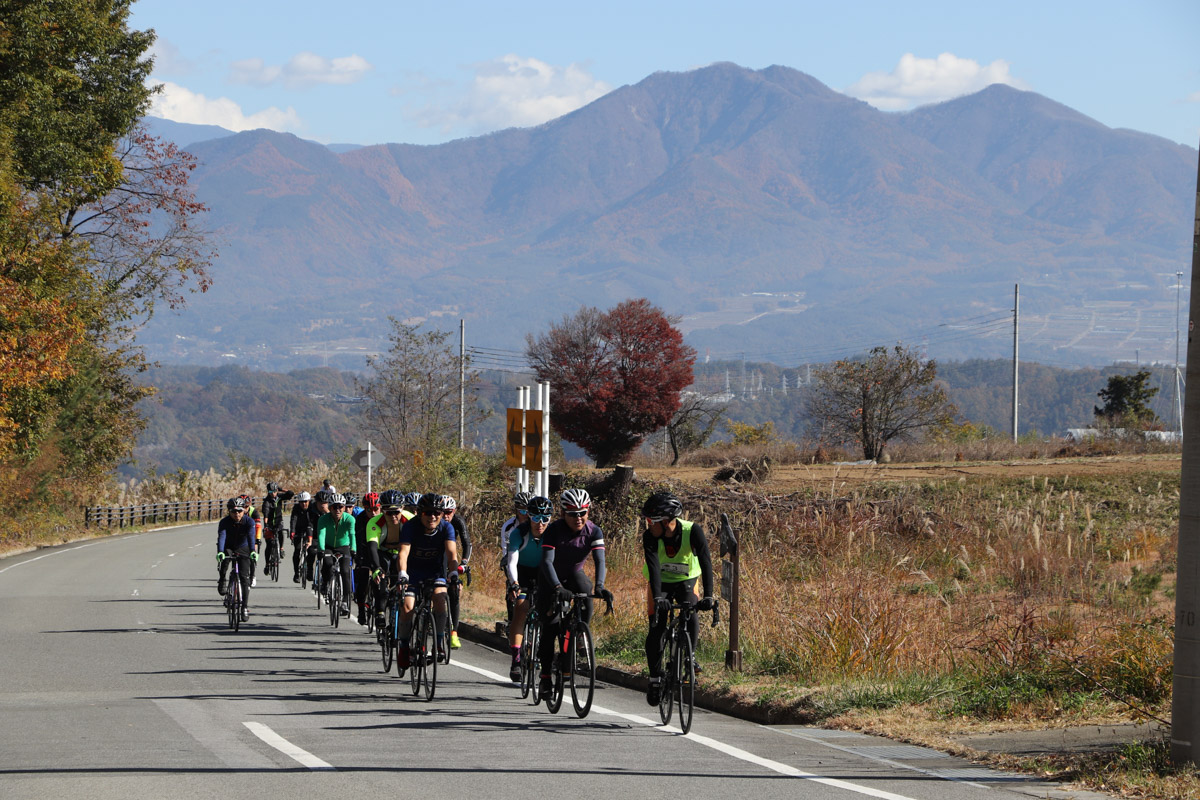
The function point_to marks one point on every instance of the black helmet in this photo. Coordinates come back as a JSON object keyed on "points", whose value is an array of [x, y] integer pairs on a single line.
{"points": [[521, 500], [391, 498], [236, 503], [540, 506], [411, 499], [272, 487], [321, 496], [432, 502], [351, 499], [661, 505]]}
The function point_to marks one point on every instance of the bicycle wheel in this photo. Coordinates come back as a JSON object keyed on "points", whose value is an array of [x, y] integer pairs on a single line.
{"points": [[335, 596], [433, 636], [303, 562], [416, 656], [318, 589], [231, 608], [387, 645], [394, 627], [668, 681], [583, 670], [273, 566], [555, 697], [685, 683], [528, 655], [235, 606]]}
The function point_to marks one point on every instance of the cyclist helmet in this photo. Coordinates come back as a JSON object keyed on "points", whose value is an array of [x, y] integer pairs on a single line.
{"points": [[236, 503], [449, 502], [370, 499], [336, 499], [576, 500], [391, 498], [412, 499], [351, 499], [321, 496], [272, 487], [247, 499], [521, 500], [304, 497], [540, 507], [431, 502], [660, 506]]}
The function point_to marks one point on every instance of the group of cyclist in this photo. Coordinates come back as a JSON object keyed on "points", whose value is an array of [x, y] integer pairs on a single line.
{"points": [[406, 540]]}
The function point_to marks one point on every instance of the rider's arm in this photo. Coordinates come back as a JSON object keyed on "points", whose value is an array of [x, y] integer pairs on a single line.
{"points": [[402, 557], [654, 572], [601, 569], [700, 549], [221, 536], [511, 558], [464, 544], [452, 556], [548, 565]]}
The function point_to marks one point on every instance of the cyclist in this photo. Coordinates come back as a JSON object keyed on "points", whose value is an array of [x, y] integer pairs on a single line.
{"points": [[383, 545], [521, 565], [352, 506], [335, 534], [428, 551], [566, 545], [235, 538], [362, 559], [409, 506], [319, 508], [272, 512], [676, 554], [520, 501], [300, 526], [255, 516], [463, 540]]}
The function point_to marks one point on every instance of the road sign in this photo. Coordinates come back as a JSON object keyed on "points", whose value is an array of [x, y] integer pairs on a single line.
{"points": [[513, 457], [533, 440], [370, 457]]}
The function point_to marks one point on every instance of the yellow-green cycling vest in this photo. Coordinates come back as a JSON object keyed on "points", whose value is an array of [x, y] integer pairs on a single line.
{"points": [[684, 565]]}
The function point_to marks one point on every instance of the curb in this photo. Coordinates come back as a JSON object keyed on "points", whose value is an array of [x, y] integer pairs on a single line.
{"points": [[705, 698]]}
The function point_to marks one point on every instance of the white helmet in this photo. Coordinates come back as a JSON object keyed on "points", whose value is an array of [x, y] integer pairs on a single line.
{"points": [[304, 497], [448, 502]]}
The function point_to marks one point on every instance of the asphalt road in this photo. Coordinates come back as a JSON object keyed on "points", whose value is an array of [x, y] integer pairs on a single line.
{"points": [[121, 679]]}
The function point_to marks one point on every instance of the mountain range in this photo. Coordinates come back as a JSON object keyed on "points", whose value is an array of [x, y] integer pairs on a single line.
{"points": [[772, 214]]}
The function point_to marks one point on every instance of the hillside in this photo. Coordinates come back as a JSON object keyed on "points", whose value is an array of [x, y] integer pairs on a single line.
{"points": [[771, 212]]}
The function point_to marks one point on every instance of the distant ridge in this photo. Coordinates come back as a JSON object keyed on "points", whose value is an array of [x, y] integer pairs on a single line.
{"points": [[696, 190]]}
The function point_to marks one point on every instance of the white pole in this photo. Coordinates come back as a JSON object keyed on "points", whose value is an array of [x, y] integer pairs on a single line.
{"points": [[1016, 319], [537, 475], [462, 381], [521, 469], [368, 466], [546, 439]]}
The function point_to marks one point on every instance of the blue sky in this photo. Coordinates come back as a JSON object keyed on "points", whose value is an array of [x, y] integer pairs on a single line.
{"points": [[367, 72]]}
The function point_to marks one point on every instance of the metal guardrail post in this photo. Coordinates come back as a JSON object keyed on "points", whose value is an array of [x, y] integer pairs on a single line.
{"points": [[730, 590]]}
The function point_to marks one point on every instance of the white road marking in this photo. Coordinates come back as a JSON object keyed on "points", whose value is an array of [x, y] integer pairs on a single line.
{"points": [[208, 724], [135, 593], [170, 555], [287, 748], [730, 750], [47, 555]]}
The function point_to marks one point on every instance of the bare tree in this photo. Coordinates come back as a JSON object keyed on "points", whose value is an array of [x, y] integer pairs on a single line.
{"points": [[693, 424], [412, 393], [888, 395]]}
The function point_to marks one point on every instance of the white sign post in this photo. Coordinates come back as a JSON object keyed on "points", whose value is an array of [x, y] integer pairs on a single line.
{"points": [[367, 460]]}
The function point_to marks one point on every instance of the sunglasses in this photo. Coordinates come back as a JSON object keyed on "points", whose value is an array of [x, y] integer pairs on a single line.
{"points": [[658, 519], [432, 513], [394, 512], [542, 518], [575, 513]]}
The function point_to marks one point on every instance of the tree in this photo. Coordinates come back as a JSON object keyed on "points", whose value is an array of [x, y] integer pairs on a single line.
{"points": [[1125, 398], [616, 374], [412, 393], [888, 395], [693, 424]]}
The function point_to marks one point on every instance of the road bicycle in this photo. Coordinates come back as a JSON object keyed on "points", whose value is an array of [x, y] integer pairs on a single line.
{"points": [[531, 663], [575, 656], [334, 593], [272, 558], [385, 633], [426, 645], [235, 601], [679, 677]]}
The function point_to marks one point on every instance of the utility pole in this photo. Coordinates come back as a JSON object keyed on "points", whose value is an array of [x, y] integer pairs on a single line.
{"points": [[1185, 696], [462, 381], [1176, 408], [1016, 320]]}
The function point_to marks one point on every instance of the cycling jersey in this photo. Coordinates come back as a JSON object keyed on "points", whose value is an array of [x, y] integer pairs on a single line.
{"points": [[335, 531], [524, 552], [427, 551], [678, 558], [235, 534], [564, 551]]}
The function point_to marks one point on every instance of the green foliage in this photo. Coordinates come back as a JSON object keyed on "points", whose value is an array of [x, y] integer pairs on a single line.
{"points": [[1126, 399]]}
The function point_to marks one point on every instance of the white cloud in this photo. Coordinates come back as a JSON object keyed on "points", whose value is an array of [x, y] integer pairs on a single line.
{"points": [[302, 71], [176, 103], [512, 91], [1194, 97], [917, 81], [168, 60]]}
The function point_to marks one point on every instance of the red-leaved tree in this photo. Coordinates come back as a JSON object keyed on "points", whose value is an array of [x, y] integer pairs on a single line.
{"points": [[616, 375]]}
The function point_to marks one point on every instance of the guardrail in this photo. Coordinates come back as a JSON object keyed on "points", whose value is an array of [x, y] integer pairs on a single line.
{"points": [[120, 516]]}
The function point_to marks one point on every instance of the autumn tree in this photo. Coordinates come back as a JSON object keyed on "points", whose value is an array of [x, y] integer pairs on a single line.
{"points": [[890, 394], [617, 376], [412, 393], [1126, 399], [693, 424]]}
